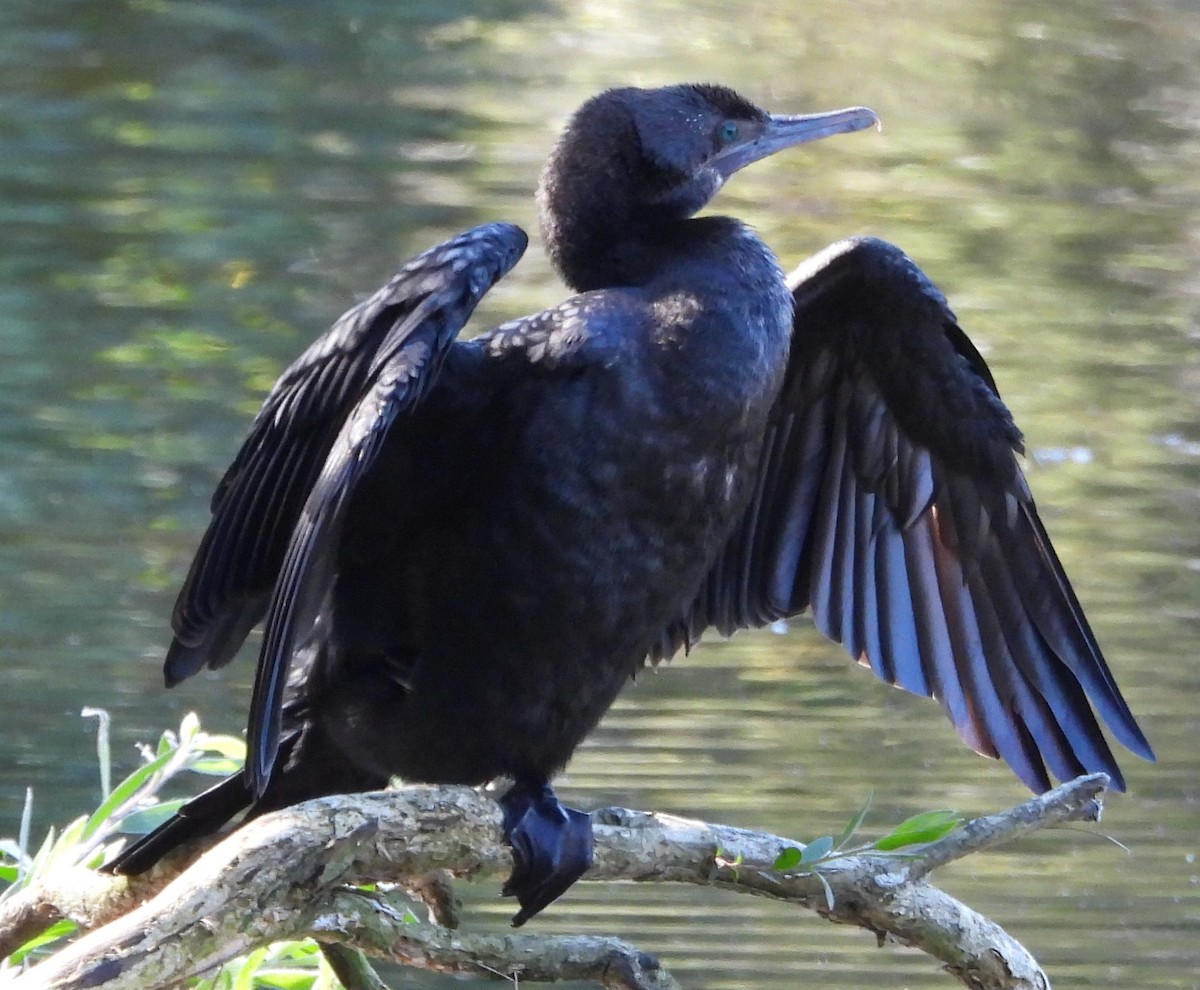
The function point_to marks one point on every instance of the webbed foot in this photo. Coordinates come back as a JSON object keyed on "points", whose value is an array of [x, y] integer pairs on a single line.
{"points": [[552, 847]]}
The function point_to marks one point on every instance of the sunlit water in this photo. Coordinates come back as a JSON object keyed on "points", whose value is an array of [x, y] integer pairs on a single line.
{"points": [[190, 191]]}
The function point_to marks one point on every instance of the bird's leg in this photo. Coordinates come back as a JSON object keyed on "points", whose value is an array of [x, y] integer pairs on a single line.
{"points": [[552, 846]]}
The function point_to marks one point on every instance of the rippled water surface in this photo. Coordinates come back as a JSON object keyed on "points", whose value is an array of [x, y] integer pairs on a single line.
{"points": [[190, 191]]}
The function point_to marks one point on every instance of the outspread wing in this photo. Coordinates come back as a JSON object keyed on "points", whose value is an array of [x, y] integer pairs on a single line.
{"points": [[890, 501], [400, 371], [258, 502]]}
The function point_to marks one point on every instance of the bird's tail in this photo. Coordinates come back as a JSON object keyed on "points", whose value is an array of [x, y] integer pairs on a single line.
{"points": [[310, 765], [200, 817]]}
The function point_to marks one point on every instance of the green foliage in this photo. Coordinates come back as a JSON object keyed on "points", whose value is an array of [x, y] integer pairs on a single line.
{"points": [[134, 806], [926, 827], [789, 859], [853, 825], [281, 966], [60, 929]]}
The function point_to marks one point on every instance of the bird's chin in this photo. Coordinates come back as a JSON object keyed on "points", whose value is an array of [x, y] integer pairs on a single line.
{"points": [[681, 202]]}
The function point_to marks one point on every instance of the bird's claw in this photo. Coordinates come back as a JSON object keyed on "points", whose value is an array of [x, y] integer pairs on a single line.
{"points": [[552, 847]]}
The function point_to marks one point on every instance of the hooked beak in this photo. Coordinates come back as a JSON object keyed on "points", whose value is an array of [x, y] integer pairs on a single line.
{"points": [[784, 131]]}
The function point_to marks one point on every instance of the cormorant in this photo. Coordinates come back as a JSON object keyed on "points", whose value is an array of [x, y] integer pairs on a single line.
{"points": [[464, 549]]}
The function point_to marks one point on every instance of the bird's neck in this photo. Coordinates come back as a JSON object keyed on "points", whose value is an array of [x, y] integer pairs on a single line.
{"points": [[601, 250], [608, 218]]}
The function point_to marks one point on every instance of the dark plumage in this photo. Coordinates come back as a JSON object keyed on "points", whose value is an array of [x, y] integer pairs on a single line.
{"points": [[463, 550]]}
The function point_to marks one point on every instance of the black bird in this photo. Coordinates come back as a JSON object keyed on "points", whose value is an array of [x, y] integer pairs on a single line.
{"points": [[464, 549]]}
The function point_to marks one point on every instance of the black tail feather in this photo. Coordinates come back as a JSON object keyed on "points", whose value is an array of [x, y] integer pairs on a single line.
{"points": [[201, 816]]}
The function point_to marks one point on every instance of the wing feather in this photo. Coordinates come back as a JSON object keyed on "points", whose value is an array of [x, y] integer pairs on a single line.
{"points": [[891, 502], [401, 369], [259, 499]]}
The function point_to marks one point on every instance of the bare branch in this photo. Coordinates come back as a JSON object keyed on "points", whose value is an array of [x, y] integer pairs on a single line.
{"points": [[1077, 800], [286, 875], [363, 922], [83, 896]]}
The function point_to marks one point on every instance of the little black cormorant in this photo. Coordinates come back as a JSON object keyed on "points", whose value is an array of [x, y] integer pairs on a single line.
{"points": [[464, 549]]}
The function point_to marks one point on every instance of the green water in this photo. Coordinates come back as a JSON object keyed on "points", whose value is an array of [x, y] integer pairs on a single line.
{"points": [[190, 191]]}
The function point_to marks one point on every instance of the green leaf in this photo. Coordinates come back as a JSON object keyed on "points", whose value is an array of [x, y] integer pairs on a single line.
{"points": [[304, 953], [188, 729], [42, 856], [326, 978], [853, 825], [147, 819], [246, 973], [925, 827], [51, 934], [817, 849], [72, 833], [98, 856], [222, 981], [788, 859], [215, 766], [230, 746], [829, 898], [68, 842], [230, 754], [166, 744], [125, 790], [285, 979]]}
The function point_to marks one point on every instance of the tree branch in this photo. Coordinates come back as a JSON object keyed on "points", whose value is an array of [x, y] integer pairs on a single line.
{"points": [[286, 876]]}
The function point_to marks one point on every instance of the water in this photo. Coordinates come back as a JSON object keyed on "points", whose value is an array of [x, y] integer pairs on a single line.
{"points": [[190, 191]]}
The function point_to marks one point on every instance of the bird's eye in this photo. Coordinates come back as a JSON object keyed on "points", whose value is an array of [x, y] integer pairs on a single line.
{"points": [[728, 132]]}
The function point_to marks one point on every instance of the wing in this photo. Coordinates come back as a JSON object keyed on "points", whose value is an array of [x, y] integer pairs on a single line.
{"points": [[257, 503], [890, 501], [402, 368]]}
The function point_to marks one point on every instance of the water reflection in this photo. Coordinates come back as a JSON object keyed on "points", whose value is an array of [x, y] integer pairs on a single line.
{"points": [[188, 192]]}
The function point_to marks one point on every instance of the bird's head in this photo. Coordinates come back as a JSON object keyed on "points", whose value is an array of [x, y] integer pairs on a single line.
{"points": [[630, 158]]}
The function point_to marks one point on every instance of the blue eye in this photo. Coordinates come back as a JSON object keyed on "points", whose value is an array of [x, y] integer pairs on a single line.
{"points": [[728, 132]]}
